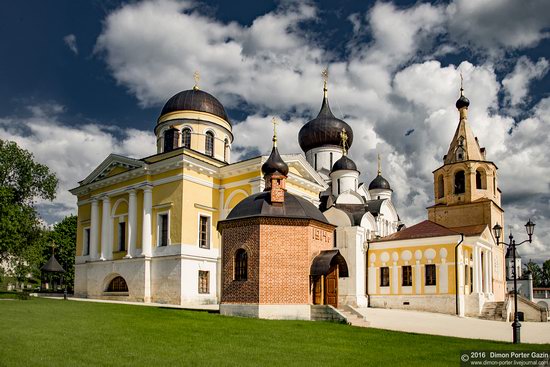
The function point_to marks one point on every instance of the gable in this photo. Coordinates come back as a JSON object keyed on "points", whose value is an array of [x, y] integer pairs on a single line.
{"points": [[112, 165]]}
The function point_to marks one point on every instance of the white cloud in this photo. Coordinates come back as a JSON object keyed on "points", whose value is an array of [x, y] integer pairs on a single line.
{"points": [[72, 152], [496, 25], [516, 84], [70, 41]]}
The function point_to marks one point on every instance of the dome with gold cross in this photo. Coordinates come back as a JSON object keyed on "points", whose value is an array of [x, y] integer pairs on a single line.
{"points": [[323, 130]]}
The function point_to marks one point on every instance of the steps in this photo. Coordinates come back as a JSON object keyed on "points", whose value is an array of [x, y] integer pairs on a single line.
{"points": [[493, 311], [325, 313], [353, 317]]}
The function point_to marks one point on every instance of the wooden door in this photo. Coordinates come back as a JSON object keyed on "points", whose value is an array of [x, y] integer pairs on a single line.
{"points": [[318, 291], [331, 287]]}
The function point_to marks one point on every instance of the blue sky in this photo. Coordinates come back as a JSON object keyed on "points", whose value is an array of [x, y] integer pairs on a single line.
{"points": [[83, 79]]}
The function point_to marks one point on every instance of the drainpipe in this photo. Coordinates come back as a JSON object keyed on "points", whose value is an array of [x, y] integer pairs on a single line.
{"points": [[456, 271], [367, 276]]}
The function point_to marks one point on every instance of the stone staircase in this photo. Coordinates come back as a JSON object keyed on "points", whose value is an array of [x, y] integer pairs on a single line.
{"points": [[353, 317], [325, 313], [493, 311]]}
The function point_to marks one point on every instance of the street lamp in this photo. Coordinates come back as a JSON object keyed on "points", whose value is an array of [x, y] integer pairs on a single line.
{"points": [[497, 230]]}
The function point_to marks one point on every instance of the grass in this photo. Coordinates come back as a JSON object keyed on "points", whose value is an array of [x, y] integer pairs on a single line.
{"points": [[44, 332]]}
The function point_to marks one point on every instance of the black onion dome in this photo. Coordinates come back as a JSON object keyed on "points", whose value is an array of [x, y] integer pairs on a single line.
{"points": [[195, 100], [275, 164], [510, 253], [379, 183], [462, 102], [344, 163], [323, 130], [259, 205]]}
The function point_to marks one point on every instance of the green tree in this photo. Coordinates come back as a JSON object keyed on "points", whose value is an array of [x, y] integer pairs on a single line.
{"points": [[546, 273], [534, 269], [63, 235], [22, 182]]}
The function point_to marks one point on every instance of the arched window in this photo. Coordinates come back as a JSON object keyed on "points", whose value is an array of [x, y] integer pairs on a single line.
{"points": [[440, 187], [209, 144], [460, 182], [481, 180], [118, 284], [186, 138], [241, 265], [171, 139]]}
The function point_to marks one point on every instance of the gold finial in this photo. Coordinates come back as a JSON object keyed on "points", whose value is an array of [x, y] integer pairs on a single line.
{"points": [[324, 73], [197, 77], [379, 166], [344, 137], [53, 246], [461, 84], [275, 123]]}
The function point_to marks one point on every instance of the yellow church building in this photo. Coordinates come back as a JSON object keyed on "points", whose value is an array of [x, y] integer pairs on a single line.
{"points": [[147, 227], [450, 263]]}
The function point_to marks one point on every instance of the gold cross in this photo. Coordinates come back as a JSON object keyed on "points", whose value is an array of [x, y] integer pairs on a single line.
{"points": [[197, 77], [53, 246], [275, 123], [379, 166], [461, 84], [344, 137]]}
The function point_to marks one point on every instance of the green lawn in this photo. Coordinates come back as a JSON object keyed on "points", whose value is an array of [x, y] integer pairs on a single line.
{"points": [[42, 332]]}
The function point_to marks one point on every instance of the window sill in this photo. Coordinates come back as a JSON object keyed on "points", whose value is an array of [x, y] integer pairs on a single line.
{"points": [[116, 294]]}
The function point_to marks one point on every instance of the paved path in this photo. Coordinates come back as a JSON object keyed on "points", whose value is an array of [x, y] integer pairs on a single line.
{"points": [[449, 325]]}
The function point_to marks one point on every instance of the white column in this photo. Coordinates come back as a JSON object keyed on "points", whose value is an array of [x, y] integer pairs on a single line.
{"points": [[395, 278], [94, 227], [146, 228], [490, 290], [132, 223], [443, 276], [476, 273], [487, 272], [418, 277], [106, 229], [221, 203]]}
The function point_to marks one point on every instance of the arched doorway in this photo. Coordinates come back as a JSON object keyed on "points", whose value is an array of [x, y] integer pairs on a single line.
{"points": [[326, 269]]}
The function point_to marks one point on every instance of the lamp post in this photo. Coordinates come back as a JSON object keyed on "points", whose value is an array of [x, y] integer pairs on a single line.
{"points": [[497, 230]]}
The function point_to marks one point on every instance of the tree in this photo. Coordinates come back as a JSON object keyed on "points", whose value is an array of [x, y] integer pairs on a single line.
{"points": [[536, 272], [22, 182], [63, 235], [546, 273]]}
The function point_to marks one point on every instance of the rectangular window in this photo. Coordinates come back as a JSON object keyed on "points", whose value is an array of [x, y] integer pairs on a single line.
{"points": [[204, 286], [163, 229], [316, 161], [385, 276], [121, 236], [430, 274], [86, 242], [407, 276], [204, 232]]}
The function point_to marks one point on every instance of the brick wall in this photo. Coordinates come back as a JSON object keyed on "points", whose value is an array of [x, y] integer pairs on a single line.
{"points": [[280, 252]]}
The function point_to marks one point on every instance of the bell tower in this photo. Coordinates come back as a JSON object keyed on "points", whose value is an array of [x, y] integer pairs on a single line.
{"points": [[465, 186]]}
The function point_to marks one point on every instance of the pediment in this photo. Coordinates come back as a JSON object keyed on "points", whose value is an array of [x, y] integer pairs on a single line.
{"points": [[112, 165]]}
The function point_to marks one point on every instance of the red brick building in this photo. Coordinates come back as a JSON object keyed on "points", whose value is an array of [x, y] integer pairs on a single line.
{"points": [[278, 255]]}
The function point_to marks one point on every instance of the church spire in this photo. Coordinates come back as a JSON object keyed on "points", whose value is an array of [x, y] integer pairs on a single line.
{"points": [[464, 145]]}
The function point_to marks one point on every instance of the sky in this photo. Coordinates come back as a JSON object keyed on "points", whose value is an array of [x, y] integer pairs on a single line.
{"points": [[82, 79]]}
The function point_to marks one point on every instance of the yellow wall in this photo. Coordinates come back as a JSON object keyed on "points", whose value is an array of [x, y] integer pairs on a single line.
{"points": [[412, 262]]}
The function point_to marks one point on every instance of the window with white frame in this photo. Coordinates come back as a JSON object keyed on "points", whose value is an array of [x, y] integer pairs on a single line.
{"points": [[209, 144], [204, 231], [162, 229], [204, 282], [86, 242]]}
